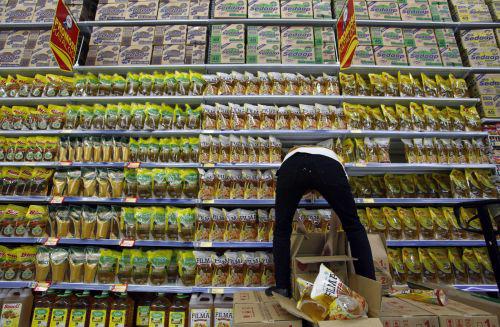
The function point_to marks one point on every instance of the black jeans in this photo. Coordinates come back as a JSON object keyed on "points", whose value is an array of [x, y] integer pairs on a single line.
{"points": [[298, 174]]}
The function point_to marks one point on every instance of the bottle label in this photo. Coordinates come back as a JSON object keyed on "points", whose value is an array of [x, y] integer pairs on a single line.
{"points": [[59, 317], [117, 318], [77, 318], [201, 317], [142, 318], [11, 314], [223, 317], [156, 318], [177, 319], [98, 318], [40, 317]]}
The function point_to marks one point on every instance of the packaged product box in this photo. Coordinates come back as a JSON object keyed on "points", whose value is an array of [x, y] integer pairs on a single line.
{"points": [[11, 57], [106, 55], [44, 14], [388, 36], [228, 33], [297, 54], [78, 12], [363, 33], [196, 35], [170, 34], [450, 56], [424, 56], [42, 57], [322, 9], [43, 39], [227, 44], [142, 10], [259, 35], [412, 11], [104, 2], [478, 12], [324, 35], [170, 54], [396, 312], [232, 53], [477, 38], [388, 10], [264, 9], [390, 56], [486, 83], [490, 105], [456, 314], [106, 35], [445, 37], [111, 11], [195, 54], [440, 12], [495, 9], [488, 57], [135, 54], [263, 53], [363, 55], [296, 9], [297, 35], [199, 9], [19, 13], [418, 37], [17, 39], [360, 10], [138, 35], [325, 53], [497, 33], [173, 10], [230, 9]]}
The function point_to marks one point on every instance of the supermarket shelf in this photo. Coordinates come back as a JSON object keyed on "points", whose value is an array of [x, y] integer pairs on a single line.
{"points": [[69, 164], [34, 101], [477, 288], [397, 168], [95, 200], [288, 135], [406, 100], [399, 243], [490, 120]]}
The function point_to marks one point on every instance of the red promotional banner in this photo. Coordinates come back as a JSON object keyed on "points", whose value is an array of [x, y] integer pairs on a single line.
{"points": [[64, 37], [347, 36]]}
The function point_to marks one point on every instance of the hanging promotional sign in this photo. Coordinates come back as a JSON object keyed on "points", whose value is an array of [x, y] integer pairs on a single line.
{"points": [[347, 36], [64, 37]]}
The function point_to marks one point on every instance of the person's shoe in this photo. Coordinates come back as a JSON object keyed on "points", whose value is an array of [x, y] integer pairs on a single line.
{"points": [[281, 291]]}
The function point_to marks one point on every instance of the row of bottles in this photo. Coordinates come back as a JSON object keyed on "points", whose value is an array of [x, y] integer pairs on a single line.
{"points": [[82, 309]]}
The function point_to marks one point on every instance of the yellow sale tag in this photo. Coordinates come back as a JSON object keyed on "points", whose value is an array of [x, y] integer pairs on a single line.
{"points": [[208, 165], [355, 131], [217, 291], [368, 200], [358, 164], [66, 163]]}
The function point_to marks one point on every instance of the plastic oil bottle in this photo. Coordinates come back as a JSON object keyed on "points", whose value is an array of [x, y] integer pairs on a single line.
{"points": [[122, 311], [223, 310], [42, 309], [142, 310], [178, 313], [99, 310], [16, 308], [80, 310], [158, 315], [201, 308], [61, 310], [3, 294]]}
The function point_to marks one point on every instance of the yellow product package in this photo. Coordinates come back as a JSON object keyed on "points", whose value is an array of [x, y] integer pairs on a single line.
{"points": [[307, 305], [429, 268], [377, 220], [377, 84], [443, 264], [458, 266], [398, 268], [483, 258], [429, 86], [444, 89], [410, 223], [411, 260], [437, 296], [473, 266], [405, 85], [395, 228], [426, 223]]}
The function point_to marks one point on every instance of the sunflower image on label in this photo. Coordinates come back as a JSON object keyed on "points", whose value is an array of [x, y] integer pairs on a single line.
{"points": [[117, 318], [78, 318], [58, 318], [98, 318], [223, 317]]}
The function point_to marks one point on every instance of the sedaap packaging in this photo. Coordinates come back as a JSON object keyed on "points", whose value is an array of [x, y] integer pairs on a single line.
{"points": [[440, 12], [264, 9], [364, 37], [412, 11], [488, 57], [173, 10], [392, 56], [172, 54], [296, 9], [135, 55], [388, 10], [16, 39], [199, 9], [230, 53], [103, 55], [106, 35], [195, 54], [111, 11], [445, 37], [300, 35], [322, 9], [324, 35], [142, 10], [19, 13], [263, 54], [297, 54], [325, 53], [170, 34], [138, 35], [487, 83], [472, 12], [424, 56], [228, 33], [419, 37], [450, 56], [230, 9], [42, 57], [196, 35], [477, 38], [363, 55], [491, 105], [44, 14], [360, 9], [387, 36], [260, 35]]}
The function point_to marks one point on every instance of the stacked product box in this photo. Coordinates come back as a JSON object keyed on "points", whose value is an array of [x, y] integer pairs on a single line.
{"points": [[26, 48], [38, 11], [471, 11], [487, 87], [297, 45], [285, 9], [263, 45], [480, 47], [227, 44], [179, 44], [152, 9], [325, 45]]}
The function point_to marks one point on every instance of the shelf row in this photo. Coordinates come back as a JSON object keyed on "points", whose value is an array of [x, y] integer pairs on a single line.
{"points": [[176, 288], [215, 245], [241, 99], [261, 21], [224, 202]]}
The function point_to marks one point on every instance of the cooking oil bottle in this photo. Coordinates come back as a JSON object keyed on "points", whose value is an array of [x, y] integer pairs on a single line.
{"points": [[178, 313], [80, 310], [99, 310], [61, 310], [158, 315], [42, 309], [223, 310], [142, 311], [16, 308], [122, 311], [201, 308]]}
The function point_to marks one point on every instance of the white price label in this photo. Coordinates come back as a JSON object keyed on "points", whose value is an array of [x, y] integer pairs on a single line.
{"points": [[119, 288], [51, 241], [66, 163], [205, 244], [41, 286], [127, 243], [368, 200], [130, 199], [57, 200], [217, 290]]}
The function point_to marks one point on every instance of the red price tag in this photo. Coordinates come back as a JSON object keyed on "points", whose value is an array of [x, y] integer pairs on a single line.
{"points": [[51, 241], [119, 288], [127, 243], [130, 200], [41, 286], [133, 164], [66, 163], [57, 200]]}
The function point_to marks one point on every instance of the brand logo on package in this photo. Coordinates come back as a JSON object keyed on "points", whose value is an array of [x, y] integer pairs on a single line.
{"points": [[64, 37], [348, 39]]}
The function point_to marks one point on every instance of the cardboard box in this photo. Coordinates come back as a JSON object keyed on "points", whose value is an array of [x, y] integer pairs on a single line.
{"points": [[227, 33], [363, 55], [17, 39], [44, 14], [424, 56], [322, 9], [388, 36], [396, 312], [360, 10], [383, 10], [11, 57], [477, 38], [103, 55], [390, 56], [107, 35], [268, 314], [260, 35], [171, 54], [381, 261], [43, 39], [412, 11], [263, 54], [19, 13], [142, 10], [326, 53], [173, 10], [227, 53], [303, 35], [195, 54], [490, 105], [264, 9], [296, 9], [419, 37], [170, 34], [324, 35], [364, 36], [466, 12], [196, 35], [297, 54], [487, 83], [230, 9], [252, 297], [456, 314], [450, 56], [138, 35], [111, 11], [42, 57], [445, 37], [135, 54], [440, 12], [199, 9], [488, 57]]}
